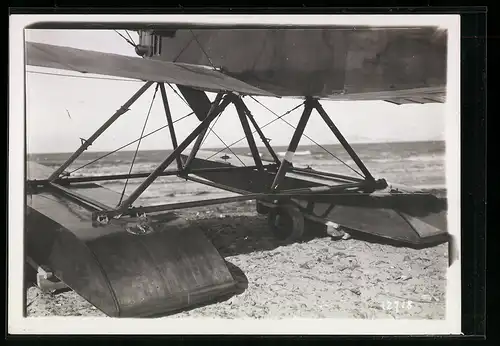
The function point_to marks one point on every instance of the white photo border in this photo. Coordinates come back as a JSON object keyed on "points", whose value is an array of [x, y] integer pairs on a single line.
{"points": [[18, 324]]}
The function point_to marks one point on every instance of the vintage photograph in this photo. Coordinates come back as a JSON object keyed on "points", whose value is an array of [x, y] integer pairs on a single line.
{"points": [[237, 172]]}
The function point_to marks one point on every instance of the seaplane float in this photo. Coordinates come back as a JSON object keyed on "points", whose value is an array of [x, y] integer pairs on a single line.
{"points": [[137, 261]]}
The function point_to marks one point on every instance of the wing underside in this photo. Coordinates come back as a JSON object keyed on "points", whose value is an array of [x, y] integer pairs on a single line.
{"points": [[193, 76], [399, 97], [85, 61]]}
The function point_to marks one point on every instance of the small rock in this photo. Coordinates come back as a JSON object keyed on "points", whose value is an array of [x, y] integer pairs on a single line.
{"points": [[406, 259], [356, 291], [332, 229], [426, 297]]}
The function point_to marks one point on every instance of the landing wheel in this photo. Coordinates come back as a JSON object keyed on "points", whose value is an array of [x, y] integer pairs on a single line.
{"points": [[286, 222]]}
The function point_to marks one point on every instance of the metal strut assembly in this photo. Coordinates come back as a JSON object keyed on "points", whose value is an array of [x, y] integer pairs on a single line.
{"points": [[218, 106]]}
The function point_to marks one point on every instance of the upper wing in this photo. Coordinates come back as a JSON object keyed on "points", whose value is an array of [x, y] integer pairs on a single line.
{"points": [[402, 96], [394, 64], [194, 76], [84, 61]]}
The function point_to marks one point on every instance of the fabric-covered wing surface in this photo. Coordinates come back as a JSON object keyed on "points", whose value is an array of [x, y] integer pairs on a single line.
{"points": [[85, 61], [395, 64], [399, 97]]}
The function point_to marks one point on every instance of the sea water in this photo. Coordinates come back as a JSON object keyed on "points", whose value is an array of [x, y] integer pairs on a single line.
{"points": [[416, 164]]}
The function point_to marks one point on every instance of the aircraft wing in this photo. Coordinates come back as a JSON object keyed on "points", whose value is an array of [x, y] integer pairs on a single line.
{"points": [[196, 76], [85, 61], [399, 97], [400, 65]]}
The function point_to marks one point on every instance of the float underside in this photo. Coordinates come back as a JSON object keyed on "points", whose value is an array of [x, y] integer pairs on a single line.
{"points": [[124, 274]]}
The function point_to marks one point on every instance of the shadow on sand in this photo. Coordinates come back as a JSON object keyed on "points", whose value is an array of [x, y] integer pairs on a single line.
{"points": [[241, 235]]}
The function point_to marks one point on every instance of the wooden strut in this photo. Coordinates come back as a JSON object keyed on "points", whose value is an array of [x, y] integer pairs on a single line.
{"points": [[78, 198], [294, 142], [170, 122], [67, 181], [323, 175], [286, 194], [263, 138], [248, 133], [342, 140]]}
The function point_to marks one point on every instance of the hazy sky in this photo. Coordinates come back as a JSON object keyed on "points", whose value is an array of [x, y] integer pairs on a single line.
{"points": [[90, 102]]}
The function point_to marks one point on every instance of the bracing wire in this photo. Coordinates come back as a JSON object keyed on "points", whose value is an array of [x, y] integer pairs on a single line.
{"points": [[128, 144], [139, 143], [177, 93], [228, 148], [130, 37], [203, 50], [183, 49], [126, 39], [211, 127], [312, 140], [263, 126]]}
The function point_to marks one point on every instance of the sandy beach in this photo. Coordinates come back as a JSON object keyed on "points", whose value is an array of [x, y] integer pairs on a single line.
{"points": [[316, 278]]}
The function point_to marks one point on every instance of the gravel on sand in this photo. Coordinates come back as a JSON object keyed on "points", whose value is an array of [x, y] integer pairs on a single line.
{"points": [[316, 278]]}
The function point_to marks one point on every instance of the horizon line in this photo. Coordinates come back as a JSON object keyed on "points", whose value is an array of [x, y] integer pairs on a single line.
{"points": [[235, 147]]}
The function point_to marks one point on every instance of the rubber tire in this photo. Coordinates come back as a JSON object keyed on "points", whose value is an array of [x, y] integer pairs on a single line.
{"points": [[290, 221]]}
